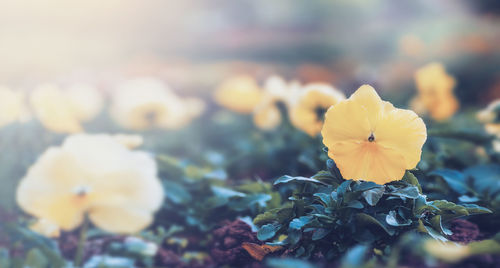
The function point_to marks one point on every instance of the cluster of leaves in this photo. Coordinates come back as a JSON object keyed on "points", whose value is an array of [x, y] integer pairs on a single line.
{"points": [[478, 184], [199, 197], [327, 215]]}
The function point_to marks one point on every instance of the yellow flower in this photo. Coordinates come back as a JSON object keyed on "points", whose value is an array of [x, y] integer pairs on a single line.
{"points": [[63, 111], [278, 96], [46, 228], [145, 103], [491, 118], [307, 113], [240, 94], [369, 139], [85, 100], [12, 106], [435, 92], [446, 251], [95, 176]]}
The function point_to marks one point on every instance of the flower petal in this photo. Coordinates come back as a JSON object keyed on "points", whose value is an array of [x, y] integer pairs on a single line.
{"points": [[120, 219], [403, 131]]}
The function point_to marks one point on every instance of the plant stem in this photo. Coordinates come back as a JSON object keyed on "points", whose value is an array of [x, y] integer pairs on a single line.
{"points": [[81, 243]]}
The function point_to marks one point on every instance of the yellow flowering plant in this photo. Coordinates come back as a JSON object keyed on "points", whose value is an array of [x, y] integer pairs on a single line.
{"points": [[308, 111], [369, 139], [367, 194], [435, 92], [64, 111]]}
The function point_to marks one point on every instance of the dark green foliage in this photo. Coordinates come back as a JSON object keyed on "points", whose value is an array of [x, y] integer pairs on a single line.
{"points": [[331, 217]]}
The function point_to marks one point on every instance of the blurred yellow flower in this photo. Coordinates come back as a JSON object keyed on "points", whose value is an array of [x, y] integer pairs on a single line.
{"points": [[12, 106], [45, 228], [144, 103], [307, 112], [92, 176], [277, 98], [240, 94], [446, 251], [490, 116], [435, 92], [369, 139], [63, 111]]}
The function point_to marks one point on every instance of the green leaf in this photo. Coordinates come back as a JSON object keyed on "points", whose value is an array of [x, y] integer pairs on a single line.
{"points": [[365, 185], [300, 222], [455, 179], [372, 196], [176, 192], [36, 259], [324, 198], [412, 180], [355, 204], [288, 179], [438, 225], [406, 192], [475, 209], [268, 231], [278, 214], [225, 192], [392, 219], [434, 234], [364, 219], [319, 233]]}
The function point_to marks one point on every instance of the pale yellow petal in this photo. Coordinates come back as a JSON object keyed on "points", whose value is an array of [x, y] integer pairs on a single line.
{"points": [[240, 94], [367, 161], [345, 121], [367, 97], [120, 219], [53, 110], [403, 131], [267, 117]]}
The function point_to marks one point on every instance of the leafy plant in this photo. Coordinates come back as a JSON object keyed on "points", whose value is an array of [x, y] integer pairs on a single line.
{"points": [[327, 215]]}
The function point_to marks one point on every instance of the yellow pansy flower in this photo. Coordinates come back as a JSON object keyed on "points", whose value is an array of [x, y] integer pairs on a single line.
{"points": [[63, 111], [85, 100], [435, 92], [369, 139], [145, 103], [307, 113], [12, 106], [278, 95], [92, 176], [239, 93], [491, 118]]}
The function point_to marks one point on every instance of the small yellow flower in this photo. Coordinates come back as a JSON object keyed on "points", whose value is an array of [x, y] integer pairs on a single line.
{"points": [[12, 106], [446, 251], [94, 176], [145, 103], [278, 95], [307, 113], [45, 228], [63, 111], [240, 94], [435, 92], [369, 139], [491, 118], [85, 100]]}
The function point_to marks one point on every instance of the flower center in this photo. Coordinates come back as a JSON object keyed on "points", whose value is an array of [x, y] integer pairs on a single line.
{"points": [[81, 191], [371, 138], [151, 117], [320, 113]]}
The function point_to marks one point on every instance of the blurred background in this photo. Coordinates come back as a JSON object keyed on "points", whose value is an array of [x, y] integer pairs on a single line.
{"points": [[195, 44]]}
